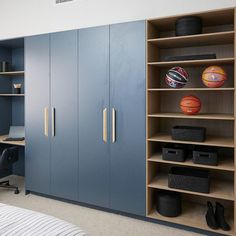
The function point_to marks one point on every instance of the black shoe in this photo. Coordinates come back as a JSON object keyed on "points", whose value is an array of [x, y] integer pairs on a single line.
{"points": [[220, 217], [210, 217]]}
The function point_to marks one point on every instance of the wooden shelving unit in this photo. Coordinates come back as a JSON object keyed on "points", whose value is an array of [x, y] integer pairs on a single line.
{"points": [[218, 117]]}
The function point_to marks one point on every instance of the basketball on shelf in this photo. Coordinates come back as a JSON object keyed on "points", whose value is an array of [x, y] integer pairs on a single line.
{"points": [[190, 105], [176, 77], [214, 76]]}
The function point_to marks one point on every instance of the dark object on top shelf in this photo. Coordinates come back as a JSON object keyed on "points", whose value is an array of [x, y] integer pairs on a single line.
{"points": [[190, 179], [174, 152], [205, 156], [188, 133], [5, 66], [190, 57], [188, 26], [169, 203]]}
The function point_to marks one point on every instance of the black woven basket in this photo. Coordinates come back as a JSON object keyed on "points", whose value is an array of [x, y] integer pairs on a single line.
{"points": [[189, 179], [188, 133], [188, 25], [174, 152], [205, 156]]}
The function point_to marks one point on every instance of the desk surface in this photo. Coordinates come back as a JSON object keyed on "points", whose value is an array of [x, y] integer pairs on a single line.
{"points": [[18, 143]]}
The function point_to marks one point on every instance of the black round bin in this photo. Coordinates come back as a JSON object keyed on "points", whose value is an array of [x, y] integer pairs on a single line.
{"points": [[169, 203], [188, 25]]}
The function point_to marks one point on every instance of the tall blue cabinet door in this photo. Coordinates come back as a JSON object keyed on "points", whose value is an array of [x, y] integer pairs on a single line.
{"points": [[93, 116], [64, 97], [37, 150], [127, 98]]}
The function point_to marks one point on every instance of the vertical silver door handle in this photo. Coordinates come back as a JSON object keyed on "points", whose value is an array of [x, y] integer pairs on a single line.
{"points": [[46, 121], [104, 118], [113, 125], [53, 121]]}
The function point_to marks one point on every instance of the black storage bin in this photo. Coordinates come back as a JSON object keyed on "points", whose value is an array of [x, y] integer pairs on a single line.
{"points": [[205, 156], [168, 203], [189, 179], [188, 25], [188, 133], [174, 152]]}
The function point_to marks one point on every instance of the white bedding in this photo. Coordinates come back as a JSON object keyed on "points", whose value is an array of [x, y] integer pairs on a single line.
{"points": [[16, 221]]}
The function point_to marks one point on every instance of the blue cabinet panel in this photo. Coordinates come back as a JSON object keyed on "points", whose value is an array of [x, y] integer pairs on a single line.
{"points": [[93, 98], [64, 145], [37, 150], [127, 97]]}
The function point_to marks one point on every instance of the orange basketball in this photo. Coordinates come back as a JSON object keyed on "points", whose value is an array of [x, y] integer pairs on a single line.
{"points": [[190, 105], [214, 76]]}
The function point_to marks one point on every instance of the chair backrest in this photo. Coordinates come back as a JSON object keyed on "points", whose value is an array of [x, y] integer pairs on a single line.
{"points": [[8, 157]]}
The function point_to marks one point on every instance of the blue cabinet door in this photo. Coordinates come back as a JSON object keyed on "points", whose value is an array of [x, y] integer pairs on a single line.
{"points": [[93, 99], [127, 97], [37, 150], [64, 142]]}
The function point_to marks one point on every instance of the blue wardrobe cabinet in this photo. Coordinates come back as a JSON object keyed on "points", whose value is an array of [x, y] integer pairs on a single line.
{"points": [[112, 117], [127, 103], [37, 103], [51, 114], [94, 116]]}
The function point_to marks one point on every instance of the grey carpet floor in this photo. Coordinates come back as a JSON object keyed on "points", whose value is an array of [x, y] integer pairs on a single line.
{"points": [[94, 222]]}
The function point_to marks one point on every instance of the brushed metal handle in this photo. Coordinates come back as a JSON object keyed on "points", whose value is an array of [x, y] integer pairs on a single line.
{"points": [[53, 121], [104, 118], [113, 125], [46, 121]]}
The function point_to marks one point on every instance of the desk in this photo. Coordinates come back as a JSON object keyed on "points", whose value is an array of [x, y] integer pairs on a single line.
{"points": [[17, 143]]}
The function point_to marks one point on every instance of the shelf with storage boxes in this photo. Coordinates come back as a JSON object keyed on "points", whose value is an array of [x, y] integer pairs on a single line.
{"points": [[194, 53]]}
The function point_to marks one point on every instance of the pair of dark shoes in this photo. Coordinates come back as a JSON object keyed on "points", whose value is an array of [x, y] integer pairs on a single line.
{"points": [[216, 219]]}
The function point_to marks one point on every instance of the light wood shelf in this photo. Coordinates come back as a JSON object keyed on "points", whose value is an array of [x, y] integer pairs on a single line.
{"points": [[188, 89], [210, 140], [193, 215], [12, 73], [198, 116], [18, 143], [221, 61], [217, 38], [225, 163], [12, 95], [219, 189]]}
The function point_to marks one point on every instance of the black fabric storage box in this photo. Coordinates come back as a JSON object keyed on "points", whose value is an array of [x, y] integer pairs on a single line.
{"points": [[189, 179], [188, 133], [169, 203], [205, 156], [174, 152], [188, 25]]}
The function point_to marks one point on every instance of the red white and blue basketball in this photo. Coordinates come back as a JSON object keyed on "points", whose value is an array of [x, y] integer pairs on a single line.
{"points": [[214, 76], [176, 77]]}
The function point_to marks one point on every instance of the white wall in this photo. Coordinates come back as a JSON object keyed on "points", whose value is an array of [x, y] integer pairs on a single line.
{"points": [[28, 17]]}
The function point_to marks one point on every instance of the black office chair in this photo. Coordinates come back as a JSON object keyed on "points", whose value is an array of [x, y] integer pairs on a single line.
{"points": [[7, 158]]}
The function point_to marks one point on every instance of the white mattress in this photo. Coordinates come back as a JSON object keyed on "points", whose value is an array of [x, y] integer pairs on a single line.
{"points": [[16, 221]]}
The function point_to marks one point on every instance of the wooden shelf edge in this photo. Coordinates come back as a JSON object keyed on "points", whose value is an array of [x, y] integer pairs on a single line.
{"points": [[210, 141], [12, 95], [17, 143], [198, 116], [192, 36], [222, 166], [188, 89], [193, 62], [161, 182], [12, 73]]}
